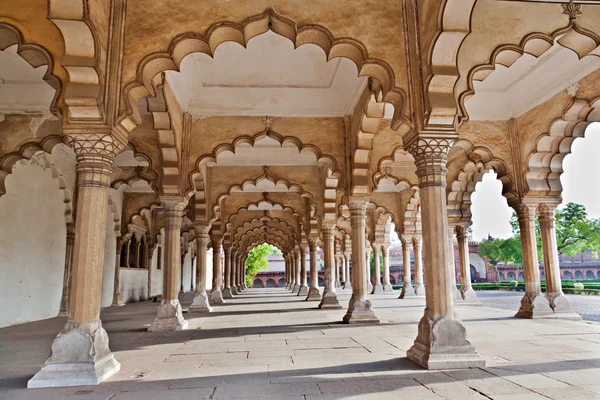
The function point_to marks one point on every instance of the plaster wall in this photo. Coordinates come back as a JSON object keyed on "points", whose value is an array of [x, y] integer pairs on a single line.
{"points": [[32, 246], [134, 284]]}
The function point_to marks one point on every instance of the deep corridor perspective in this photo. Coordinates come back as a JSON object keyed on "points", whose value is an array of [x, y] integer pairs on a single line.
{"points": [[146, 147], [269, 343]]}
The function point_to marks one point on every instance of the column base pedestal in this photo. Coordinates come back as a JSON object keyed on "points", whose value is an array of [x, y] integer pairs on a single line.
{"points": [[407, 291], [227, 293], [200, 303], [216, 297], [347, 285], [457, 294], [377, 289], [329, 301], [562, 306], [234, 290], [338, 284], [387, 288], [443, 344], [470, 296], [294, 288], [369, 287], [71, 364], [303, 291], [169, 317], [420, 290], [313, 295], [534, 306], [360, 312]]}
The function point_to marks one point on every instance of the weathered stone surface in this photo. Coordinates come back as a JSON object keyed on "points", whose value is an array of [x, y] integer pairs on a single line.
{"points": [[80, 356], [169, 317]]}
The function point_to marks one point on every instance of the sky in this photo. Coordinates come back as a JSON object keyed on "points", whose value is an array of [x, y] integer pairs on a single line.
{"points": [[580, 180]]}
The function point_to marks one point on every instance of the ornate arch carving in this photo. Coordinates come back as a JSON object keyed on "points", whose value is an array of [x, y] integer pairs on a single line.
{"points": [[36, 56], [206, 43], [545, 164]]}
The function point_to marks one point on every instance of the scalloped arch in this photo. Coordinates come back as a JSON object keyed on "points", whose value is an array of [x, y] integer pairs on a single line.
{"points": [[334, 175], [545, 164], [82, 94], [480, 161], [241, 33], [36, 56], [40, 159], [581, 41], [26, 151]]}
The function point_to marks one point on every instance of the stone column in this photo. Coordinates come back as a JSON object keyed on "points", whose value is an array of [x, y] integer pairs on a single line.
{"points": [[117, 279], [348, 280], [243, 272], [418, 256], [465, 267], [359, 306], [557, 299], [344, 277], [442, 339], [533, 304], [216, 296], [200, 302], [337, 271], [227, 294], [329, 299], [387, 286], [368, 270], [377, 287], [313, 291], [169, 316], [407, 290], [303, 281], [80, 353], [452, 262], [64, 301], [297, 270], [234, 272]]}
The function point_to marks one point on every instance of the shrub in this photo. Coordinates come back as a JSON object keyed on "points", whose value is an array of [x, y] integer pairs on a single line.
{"points": [[578, 286], [514, 283]]}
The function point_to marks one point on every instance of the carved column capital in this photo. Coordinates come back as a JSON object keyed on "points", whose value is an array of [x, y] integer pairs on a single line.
{"points": [[95, 153], [462, 232], [174, 207], [416, 241], [328, 230], [431, 154]]}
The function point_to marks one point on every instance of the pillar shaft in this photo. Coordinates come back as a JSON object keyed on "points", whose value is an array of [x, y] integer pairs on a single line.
{"points": [[227, 294], [313, 292], [466, 288], [377, 287], [200, 302], [554, 294], [329, 299], [64, 302], [80, 353], [359, 306], [169, 315], [418, 257], [216, 296], [117, 278], [368, 269], [407, 289], [533, 303], [452, 261], [442, 341], [387, 286]]}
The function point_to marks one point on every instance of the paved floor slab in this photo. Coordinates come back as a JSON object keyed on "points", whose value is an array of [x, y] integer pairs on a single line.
{"points": [[268, 343]]}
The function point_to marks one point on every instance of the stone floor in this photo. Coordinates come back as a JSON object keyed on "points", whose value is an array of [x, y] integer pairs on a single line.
{"points": [[586, 306], [269, 344]]}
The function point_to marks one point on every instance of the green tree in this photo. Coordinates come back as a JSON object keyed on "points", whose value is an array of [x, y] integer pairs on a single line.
{"points": [[258, 261], [575, 233]]}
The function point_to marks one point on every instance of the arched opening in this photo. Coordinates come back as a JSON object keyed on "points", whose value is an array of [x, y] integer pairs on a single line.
{"points": [[143, 253], [271, 283], [521, 277], [474, 276], [568, 276], [589, 275], [133, 252], [511, 276], [281, 282], [258, 283], [124, 254], [578, 275]]}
